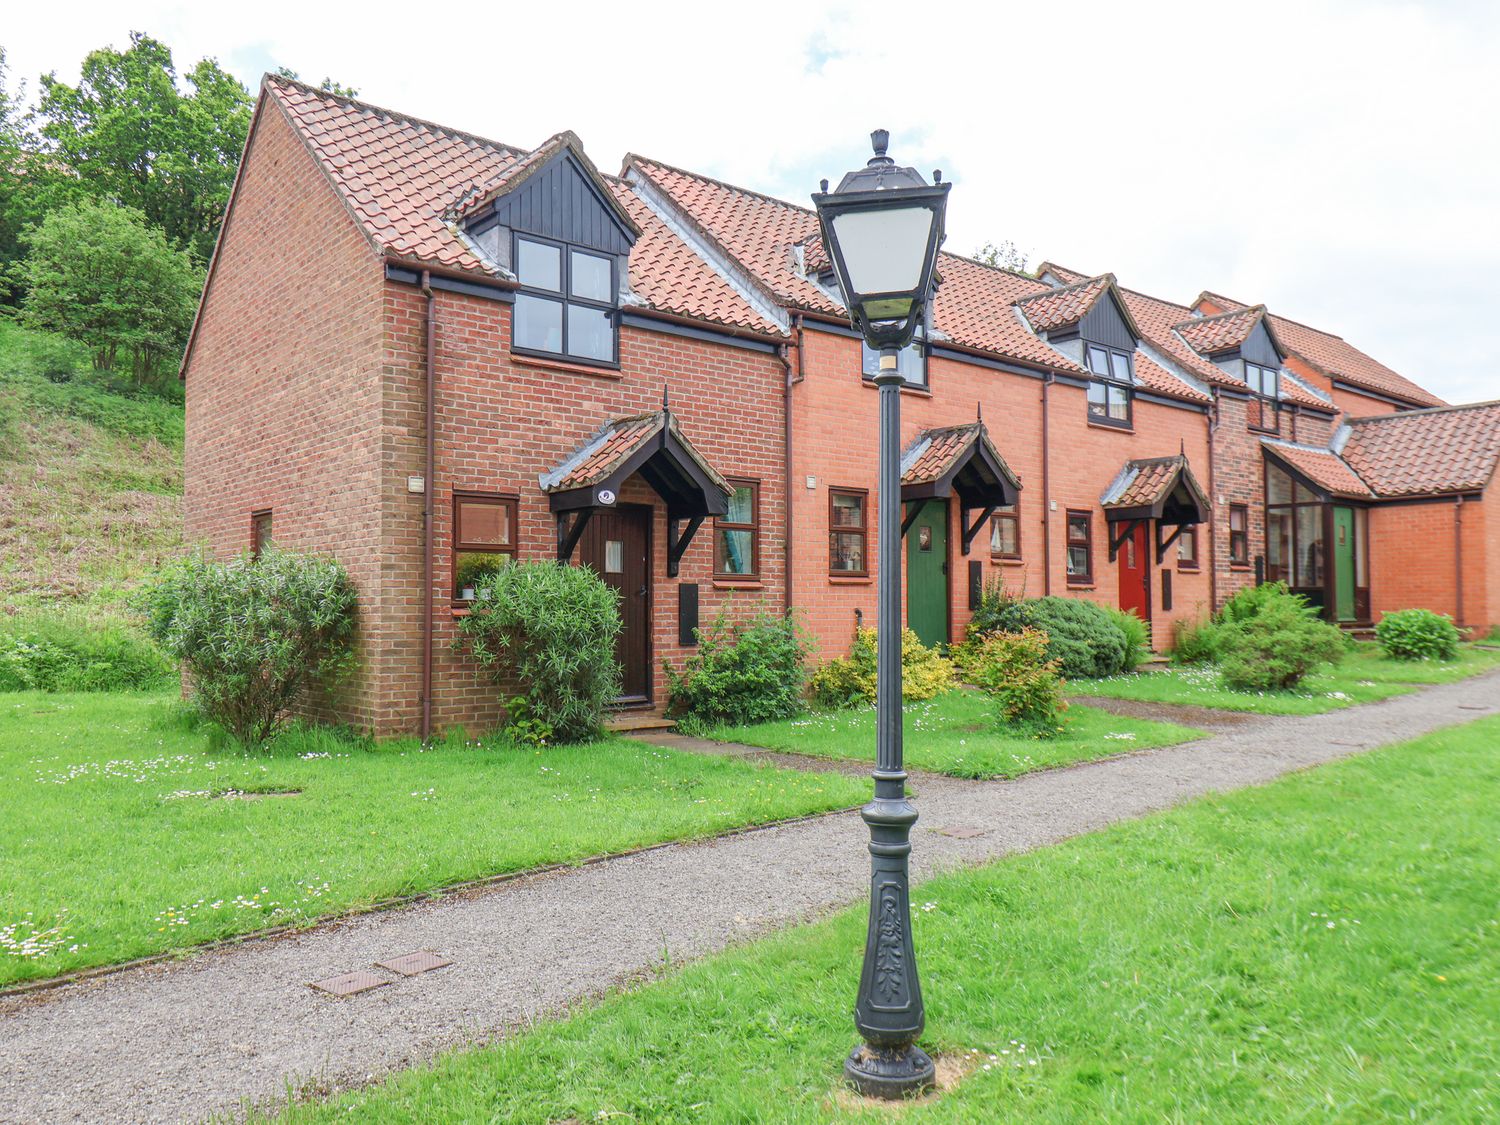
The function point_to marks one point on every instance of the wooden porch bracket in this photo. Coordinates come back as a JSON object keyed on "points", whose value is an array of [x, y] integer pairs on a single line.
{"points": [[971, 530], [1163, 544], [1127, 529], [912, 511], [568, 533], [678, 544]]}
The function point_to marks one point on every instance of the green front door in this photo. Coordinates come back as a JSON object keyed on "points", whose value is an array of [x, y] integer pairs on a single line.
{"points": [[927, 573], [1343, 563]]}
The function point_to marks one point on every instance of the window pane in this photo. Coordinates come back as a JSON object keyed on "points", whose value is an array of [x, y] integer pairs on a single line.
{"points": [[1120, 364], [1078, 562], [1098, 361], [1278, 486], [1303, 494], [591, 334], [1003, 536], [1236, 518], [1078, 527], [472, 569], [734, 552], [538, 323], [1278, 545], [614, 556], [1187, 546], [484, 523], [591, 277], [1119, 404], [848, 511], [846, 551], [1309, 546], [538, 265], [741, 505], [1098, 400]]}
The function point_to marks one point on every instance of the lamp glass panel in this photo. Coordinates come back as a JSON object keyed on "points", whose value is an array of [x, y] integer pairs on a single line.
{"points": [[884, 250]]}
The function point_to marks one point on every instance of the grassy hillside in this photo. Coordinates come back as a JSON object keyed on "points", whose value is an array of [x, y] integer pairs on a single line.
{"points": [[90, 480]]}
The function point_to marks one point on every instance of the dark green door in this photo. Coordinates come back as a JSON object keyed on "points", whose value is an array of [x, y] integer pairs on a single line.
{"points": [[1343, 563], [927, 574]]}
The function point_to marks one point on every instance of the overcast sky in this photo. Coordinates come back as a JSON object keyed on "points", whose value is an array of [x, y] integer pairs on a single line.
{"points": [[1338, 161]]}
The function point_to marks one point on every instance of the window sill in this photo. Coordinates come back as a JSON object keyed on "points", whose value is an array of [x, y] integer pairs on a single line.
{"points": [[1081, 584], [1188, 569], [740, 583], [1000, 560], [906, 388], [850, 579], [522, 359], [459, 611], [1244, 567], [1111, 427]]}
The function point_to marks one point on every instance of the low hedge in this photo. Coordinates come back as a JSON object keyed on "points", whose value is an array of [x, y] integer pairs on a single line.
{"points": [[1417, 634]]}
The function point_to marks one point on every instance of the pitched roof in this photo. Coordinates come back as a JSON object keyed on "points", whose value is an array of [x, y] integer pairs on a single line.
{"points": [[1152, 376], [1221, 332], [1149, 482], [1323, 467], [612, 445], [1416, 452], [398, 175], [1335, 357], [933, 453], [1064, 306]]}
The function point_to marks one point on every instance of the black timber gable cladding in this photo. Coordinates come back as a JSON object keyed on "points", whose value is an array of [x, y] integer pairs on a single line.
{"points": [[559, 202], [1104, 324], [1260, 348]]}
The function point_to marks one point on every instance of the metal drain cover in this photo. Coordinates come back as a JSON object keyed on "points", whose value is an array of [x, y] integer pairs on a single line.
{"points": [[350, 984], [410, 964]]}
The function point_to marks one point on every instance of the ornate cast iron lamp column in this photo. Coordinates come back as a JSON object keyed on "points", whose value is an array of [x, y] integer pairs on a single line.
{"points": [[882, 228]]}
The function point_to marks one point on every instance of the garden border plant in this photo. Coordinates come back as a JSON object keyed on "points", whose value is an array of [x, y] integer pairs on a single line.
{"points": [[744, 671], [254, 632]]}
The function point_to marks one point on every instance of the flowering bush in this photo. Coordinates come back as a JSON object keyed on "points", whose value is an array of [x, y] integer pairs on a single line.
{"points": [[252, 633], [849, 681], [1417, 634], [550, 629]]}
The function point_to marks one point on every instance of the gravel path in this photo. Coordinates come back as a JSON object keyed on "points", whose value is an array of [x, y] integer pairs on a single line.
{"points": [[181, 1041]]}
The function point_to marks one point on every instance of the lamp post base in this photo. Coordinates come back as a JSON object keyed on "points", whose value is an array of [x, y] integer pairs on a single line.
{"points": [[891, 1073]]}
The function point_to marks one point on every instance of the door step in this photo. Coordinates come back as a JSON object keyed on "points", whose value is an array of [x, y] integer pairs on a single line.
{"points": [[628, 722]]}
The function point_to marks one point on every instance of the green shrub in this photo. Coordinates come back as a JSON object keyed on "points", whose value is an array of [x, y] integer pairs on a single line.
{"points": [[849, 681], [743, 672], [1277, 647], [550, 629], [67, 652], [1088, 639], [1253, 600], [1001, 611], [1013, 669], [128, 415], [1137, 637], [253, 633], [1197, 642], [1417, 634]]}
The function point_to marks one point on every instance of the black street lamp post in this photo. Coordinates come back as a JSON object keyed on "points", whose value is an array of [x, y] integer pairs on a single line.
{"points": [[882, 227]]}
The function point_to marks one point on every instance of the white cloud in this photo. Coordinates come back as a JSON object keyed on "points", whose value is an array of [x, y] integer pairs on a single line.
{"points": [[1333, 159]]}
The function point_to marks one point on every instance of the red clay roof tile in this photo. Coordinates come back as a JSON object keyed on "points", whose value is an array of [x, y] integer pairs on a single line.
{"points": [[1441, 450], [1222, 332], [1051, 309], [1321, 466]]}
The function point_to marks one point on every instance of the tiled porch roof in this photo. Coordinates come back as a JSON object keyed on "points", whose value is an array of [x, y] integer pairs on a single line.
{"points": [[933, 453], [1323, 467], [1147, 482]]}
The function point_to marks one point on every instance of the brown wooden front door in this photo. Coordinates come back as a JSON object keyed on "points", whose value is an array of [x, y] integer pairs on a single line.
{"points": [[1135, 572], [617, 545]]}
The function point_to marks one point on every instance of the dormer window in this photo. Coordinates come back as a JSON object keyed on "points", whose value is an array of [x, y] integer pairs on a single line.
{"points": [[1264, 411], [565, 307], [911, 361], [1113, 386]]}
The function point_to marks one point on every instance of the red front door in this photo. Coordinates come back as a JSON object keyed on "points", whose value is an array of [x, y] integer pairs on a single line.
{"points": [[1134, 561]]}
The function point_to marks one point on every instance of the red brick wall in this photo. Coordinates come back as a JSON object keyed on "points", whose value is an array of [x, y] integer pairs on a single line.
{"points": [[835, 433], [283, 384], [504, 421], [1413, 560]]}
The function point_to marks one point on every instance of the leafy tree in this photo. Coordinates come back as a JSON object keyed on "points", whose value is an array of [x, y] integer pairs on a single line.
{"points": [[15, 140], [127, 132], [328, 85], [98, 274], [1005, 255]]}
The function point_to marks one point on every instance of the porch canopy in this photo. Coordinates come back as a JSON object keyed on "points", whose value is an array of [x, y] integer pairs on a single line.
{"points": [[1155, 488], [654, 446], [962, 460]]}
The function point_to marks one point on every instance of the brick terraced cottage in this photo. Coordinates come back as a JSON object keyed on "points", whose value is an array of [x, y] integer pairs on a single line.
{"points": [[427, 353]]}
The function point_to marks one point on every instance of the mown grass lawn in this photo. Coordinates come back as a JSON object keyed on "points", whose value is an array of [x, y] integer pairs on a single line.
{"points": [[117, 843], [1364, 675], [959, 733], [1323, 948]]}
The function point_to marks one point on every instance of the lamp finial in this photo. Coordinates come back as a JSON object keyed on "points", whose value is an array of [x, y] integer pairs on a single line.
{"points": [[880, 140]]}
